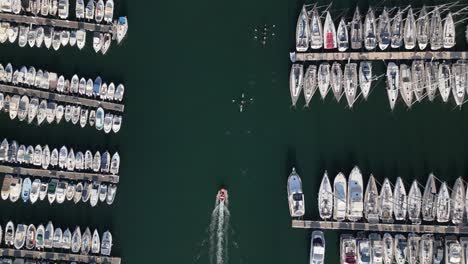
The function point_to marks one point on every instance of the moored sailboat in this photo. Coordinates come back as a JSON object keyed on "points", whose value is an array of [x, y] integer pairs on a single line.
{"points": [[342, 36], [329, 33], [429, 199], [323, 78], [355, 205], [371, 201], [356, 30], [310, 84], [393, 84], [386, 202], [316, 30], [414, 203], [383, 30], [397, 30], [295, 82], [400, 200], [370, 41], [302, 31], [325, 198], [350, 83], [365, 78], [422, 29], [409, 33], [458, 202], [449, 32], [443, 204], [336, 80]]}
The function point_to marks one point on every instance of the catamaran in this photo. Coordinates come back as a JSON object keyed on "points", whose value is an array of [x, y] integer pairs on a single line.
{"points": [[310, 84], [383, 30], [386, 202], [397, 30], [365, 78], [458, 202], [295, 195], [316, 33], [342, 36], [302, 31], [339, 190], [329, 33], [370, 41], [406, 85], [409, 33], [422, 29], [325, 198], [449, 32], [400, 200], [356, 30], [414, 203], [295, 84], [443, 204], [336, 80], [323, 79], [371, 201], [355, 205]]}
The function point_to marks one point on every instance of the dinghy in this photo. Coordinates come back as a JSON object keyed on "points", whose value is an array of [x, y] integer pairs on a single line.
{"points": [[414, 203], [383, 30], [310, 83], [342, 36], [409, 33], [339, 190], [431, 71], [371, 201], [336, 80], [429, 199], [355, 204], [393, 84], [386, 202], [400, 200], [406, 85], [370, 41], [448, 32], [302, 31], [329, 33], [295, 195], [323, 78], [419, 82], [443, 204], [295, 85], [436, 39], [350, 83], [422, 29], [316, 33], [356, 30], [458, 202], [397, 30], [365, 78], [325, 198]]}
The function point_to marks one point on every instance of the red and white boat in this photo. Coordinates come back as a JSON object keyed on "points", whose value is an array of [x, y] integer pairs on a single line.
{"points": [[329, 33]]}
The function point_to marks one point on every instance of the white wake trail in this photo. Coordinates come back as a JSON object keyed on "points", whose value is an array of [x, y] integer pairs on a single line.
{"points": [[219, 230]]}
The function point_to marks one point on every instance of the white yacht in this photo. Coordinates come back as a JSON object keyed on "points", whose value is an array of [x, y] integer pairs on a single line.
{"points": [[86, 242], [426, 248], [323, 79], [356, 30], [337, 80], [400, 249], [376, 248], [295, 87], [342, 36], [431, 71], [370, 40], [317, 248], [400, 200], [310, 84], [371, 201], [406, 85], [95, 243], [386, 202], [383, 30], [365, 78], [458, 202], [397, 30], [429, 199], [459, 82], [348, 249], [325, 198], [422, 29], [57, 241], [388, 248], [99, 11], [444, 81], [66, 239], [436, 30], [295, 195], [363, 250], [340, 196], [449, 32], [409, 33], [302, 31], [443, 204], [316, 30], [355, 204], [413, 248], [329, 33], [350, 80], [414, 203]]}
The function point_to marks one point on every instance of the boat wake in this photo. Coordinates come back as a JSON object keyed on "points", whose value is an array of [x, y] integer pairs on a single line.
{"points": [[219, 233]]}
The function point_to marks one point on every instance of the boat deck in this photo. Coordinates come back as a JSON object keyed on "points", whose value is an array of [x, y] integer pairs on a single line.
{"points": [[378, 55], [44, 94], [43, 21], [400, 228], [53, 256], [71, 175]]}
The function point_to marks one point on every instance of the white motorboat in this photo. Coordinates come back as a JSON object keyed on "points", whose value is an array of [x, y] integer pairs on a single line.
{"points": [[418, 79], [102, 192], [376, 248], [453, 251], [108, 122], [70, 192], [295, 195], [406, 85], [58, 234], [51, 189], [32, 35], [89, 10], [414, 203], [105, 162], [83, 117], [443, 204], [365, 78], [295, 87], [70, 161], [370, 40], [33, 109], [400, 200], [422, 29], [383, 30], [98, 39], [49, 235], [10, 234], [111, 192], [60, 191], [340, 196], [449, 32], [316, 30], [323, 79], [302, 31], [95, 243], [363, 250], [350, 83], [386, 202], [429, 199], [337, 80], [40, 235], [86, 242], [348, 249], [99, 11], [356, 30], [397, 30], [43, 190], [13, 106], [20, 236], [96, 161], [317, 248], [63, 7], [458, 202], [45, 159], [409, 33], [23, 108], [438, 250], [80, 38], [109, 11], [355, 204], [66, 239], [15, 189], [106, 244], [78, 192], [329, 33], [94, 195], [310, 84], [342, 36], [35, 188], [54, 157], [76, 240], [26, 189], [371, 201], [80, 9], [325, 198], [6, 187]]}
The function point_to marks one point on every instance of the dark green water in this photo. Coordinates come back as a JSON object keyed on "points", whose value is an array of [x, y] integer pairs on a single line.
{"points": [[182, 138]]}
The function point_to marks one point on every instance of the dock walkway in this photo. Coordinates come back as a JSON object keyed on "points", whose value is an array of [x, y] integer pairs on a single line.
{"points": [[54, 22], [71, 175], [44, 94], [53, 256], [378, 55], [400, 228]]}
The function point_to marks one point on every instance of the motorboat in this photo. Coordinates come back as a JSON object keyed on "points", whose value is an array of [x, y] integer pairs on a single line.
{"points": [[10, 234], [66, 239], [35, 188], [53, 7], [56, 40], [400, 200], [459, 83], [323, 79], [109, 11], [436, 30], [413, 250], [422, 29], [43, 190], [12, 32], [458, 202], [48, 35], [418, 78], [13, 152], [79, 161], [98, 39], [409, 32], [302, 31], [310, 83], [78, 192], [70, 192], [23, 106], [365, 78], [295, 87], [370, 40], [86, 242], [386, 202], [20, 236], [89, 10], [64, 37], [340, 196], [76, 110], [96, 161], [76, 240], [97, 84], [94, 195], [111, 192], [316, 30], [41, 112], [59, 112], [99, 11], [80, 38], [108, 122], [106, 43], [63, 155], [88, 160], [383, 30], [51, 189], [426, 248], [429, 199], [45, 159], [355, 204], [80, 9], [105, 162], [337, 80], [371, 201], [26, 189], [453, 251], [4, 150], [70, 163], [400, 250], [350, 80], [443, 204], [444, 81], [414, 203], [406, 85], [15, 189], [397, 30], [356, 30], [449, 32], [392, 84], [37, 156], [50, 112], [329, 33], [295, 195], [57, 242], [342, 36], [33, 109], [348, 254], [13, 107], [112, 91], [103, 94], [363, 250], [89, 88], [61, 191], [325, 198], [23, 36], [95, 243], [438, 250], [118, 94], [388, 248], [40, 235], [103, 192], [106, 244], [376, 248], [44, 8], [317, 249], [5, 193], [431, 71], [54, 157]]}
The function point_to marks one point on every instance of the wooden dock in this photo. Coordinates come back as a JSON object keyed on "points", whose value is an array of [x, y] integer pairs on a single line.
{"points": [[71, 175], [53, 256], [397, 228], [43, 21], [389, 55], [44, 94]]}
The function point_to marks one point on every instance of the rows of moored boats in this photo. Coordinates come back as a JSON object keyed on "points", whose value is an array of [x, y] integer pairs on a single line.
{"points": [[425, 79], [51, 81], [62, 159], [400, 249], [325, 76], [26, 109], [49, 238], [28, 190], [396, 29]]}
